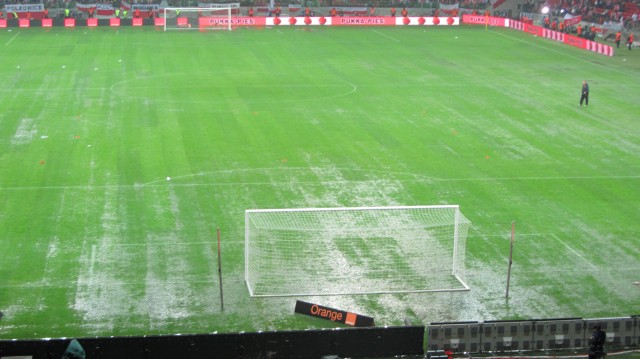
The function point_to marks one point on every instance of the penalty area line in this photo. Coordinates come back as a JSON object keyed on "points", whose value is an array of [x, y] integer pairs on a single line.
{"points": [[386, 36], [11, 39]]}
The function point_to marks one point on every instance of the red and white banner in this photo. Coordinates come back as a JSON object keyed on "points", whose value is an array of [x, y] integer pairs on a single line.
{"points": [[570, 20], [99, 8], [483, 20], [363, 21], [205, 22], [553, 35], [353, 11], [293, 8], [448, 7]]}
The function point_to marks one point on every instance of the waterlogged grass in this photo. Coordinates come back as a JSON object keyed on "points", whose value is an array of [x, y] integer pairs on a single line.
{"points": [[123, 150]]}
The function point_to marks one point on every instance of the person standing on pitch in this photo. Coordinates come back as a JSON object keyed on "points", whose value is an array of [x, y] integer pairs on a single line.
{"points": [[585, 93]]}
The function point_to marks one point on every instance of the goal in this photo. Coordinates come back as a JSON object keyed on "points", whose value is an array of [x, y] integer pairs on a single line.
{"points": [[212, 17], [362, 250]]}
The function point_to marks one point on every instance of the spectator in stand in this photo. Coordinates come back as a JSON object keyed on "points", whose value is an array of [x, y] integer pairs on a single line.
{"points": [[91, 11], [307, 11], [596, 342], [333, 12], [561, 26], [136, 13], [579, 30], [372, 12], [554, 25], [1, 13], [278, 11], [250, 12], [393, 11], [630, 41], [46, 13], [404, 12], [618, 38]]}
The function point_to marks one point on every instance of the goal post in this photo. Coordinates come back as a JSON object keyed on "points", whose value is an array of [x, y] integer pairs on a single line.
{"points": [[212, 17], [357, 250]]}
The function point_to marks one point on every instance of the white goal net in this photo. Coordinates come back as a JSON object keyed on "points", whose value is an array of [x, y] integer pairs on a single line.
{"points": [[212, 17], [365, 250]]}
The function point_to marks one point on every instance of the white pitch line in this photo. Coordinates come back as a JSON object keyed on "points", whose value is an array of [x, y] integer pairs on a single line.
{"points": [[574, 251], [163, 182], [92, 261], [11, 39], [167, 244], [387, 36]]}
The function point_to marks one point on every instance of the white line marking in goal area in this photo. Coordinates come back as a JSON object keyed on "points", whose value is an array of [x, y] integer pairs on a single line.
{"points": [[574, 251], [11, 39], [385, 35]]}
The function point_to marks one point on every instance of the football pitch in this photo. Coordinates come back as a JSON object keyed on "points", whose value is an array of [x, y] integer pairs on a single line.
{"points": [[122, 151]]}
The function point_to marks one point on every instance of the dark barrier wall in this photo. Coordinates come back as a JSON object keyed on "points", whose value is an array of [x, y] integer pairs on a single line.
{"points": [[355, 343], [531, 335]]}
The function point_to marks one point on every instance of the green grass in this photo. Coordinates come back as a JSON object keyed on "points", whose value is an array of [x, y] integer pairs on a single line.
{"points": [[95, 241]]}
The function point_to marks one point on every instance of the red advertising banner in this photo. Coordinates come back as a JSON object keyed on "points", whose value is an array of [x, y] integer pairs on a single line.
{"points": [[136, 21], [47, 22], [483, 20], [92, 22], [3, 23], [24, 22], [158, 21], [205, 22], [70, 22], [182, 21], [575, 41], [114, 21], [363, 21], [533, 29]]}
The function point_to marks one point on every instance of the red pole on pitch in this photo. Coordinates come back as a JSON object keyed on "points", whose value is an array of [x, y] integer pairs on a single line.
{"points": [[220, 270], [513, 235]]}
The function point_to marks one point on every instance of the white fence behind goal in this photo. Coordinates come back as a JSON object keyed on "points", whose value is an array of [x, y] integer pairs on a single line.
{"points": [[366, 250], [212, 17]]}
